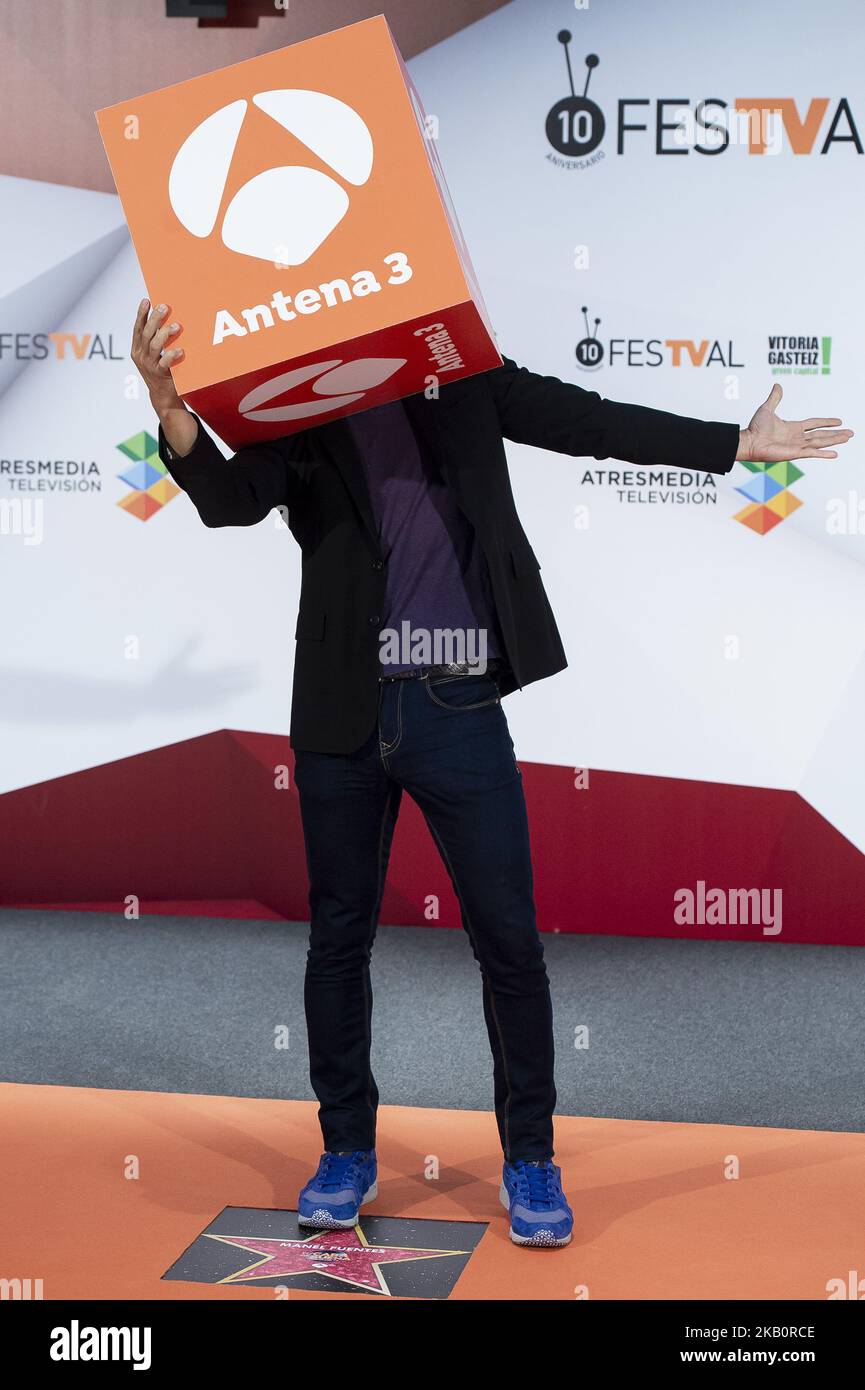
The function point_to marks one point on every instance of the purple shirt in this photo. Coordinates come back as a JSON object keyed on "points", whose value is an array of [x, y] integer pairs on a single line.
{"points": [[436, 578]]}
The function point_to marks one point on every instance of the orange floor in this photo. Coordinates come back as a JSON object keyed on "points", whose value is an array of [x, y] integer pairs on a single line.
{"points": [[655, 1215]]}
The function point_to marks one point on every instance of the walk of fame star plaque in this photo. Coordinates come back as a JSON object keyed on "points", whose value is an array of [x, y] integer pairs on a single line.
{"points": [[384, 1255]]}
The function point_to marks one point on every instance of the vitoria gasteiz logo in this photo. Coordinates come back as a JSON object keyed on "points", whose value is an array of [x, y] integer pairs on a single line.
{"points": [[282, 214], [146, 475]]}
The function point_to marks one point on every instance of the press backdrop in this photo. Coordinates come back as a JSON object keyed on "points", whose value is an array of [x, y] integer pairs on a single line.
{"points": [[635, 233]]}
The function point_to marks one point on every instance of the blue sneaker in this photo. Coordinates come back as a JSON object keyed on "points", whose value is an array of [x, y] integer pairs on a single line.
{"points": [[343, 1184], [532, 1193]]}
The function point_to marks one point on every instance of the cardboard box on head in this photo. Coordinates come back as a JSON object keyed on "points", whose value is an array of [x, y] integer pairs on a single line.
{"points": [[292, 212]]}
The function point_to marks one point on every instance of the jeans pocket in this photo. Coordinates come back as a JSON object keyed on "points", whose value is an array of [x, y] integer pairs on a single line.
{"points": [[463, 692]]}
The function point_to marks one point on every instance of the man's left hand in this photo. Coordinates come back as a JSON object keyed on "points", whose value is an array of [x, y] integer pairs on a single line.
{"points": [[770, 440]]}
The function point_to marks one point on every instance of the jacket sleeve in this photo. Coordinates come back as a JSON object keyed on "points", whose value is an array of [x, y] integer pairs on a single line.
{"points": [[554, 414], [238, 491]]}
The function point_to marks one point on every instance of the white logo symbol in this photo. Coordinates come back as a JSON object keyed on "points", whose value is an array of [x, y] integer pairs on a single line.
{"points": [[339, 383], [282, 214]]}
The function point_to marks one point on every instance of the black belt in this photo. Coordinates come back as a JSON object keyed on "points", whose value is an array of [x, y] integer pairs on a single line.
{"points": [[450, 668]]}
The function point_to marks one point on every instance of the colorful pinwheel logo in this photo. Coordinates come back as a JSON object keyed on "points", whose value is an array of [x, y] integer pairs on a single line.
{"points": [[769, 498], [146, 475]]}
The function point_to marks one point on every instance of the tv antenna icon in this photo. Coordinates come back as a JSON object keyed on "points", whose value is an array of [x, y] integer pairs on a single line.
{"points": [[575, 125]]}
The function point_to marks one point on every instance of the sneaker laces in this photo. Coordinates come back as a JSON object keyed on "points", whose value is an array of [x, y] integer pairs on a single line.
{"points": [[335, 1169], [537, 1180]]}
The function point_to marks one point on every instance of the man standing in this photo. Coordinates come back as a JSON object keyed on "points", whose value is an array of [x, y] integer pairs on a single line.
{"points": [[421, 606]]}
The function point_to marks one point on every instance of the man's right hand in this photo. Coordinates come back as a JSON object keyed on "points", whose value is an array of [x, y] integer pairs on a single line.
{"points": [[154, 361], [150, 355]]}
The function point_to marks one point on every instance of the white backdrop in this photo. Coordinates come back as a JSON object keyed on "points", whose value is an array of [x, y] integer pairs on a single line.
{"points": [[123, 636]]}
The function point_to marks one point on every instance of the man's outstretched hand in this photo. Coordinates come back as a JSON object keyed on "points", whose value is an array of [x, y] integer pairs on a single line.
{"points": [[770, 440]]}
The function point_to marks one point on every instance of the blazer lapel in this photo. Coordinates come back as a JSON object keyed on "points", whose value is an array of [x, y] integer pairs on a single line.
{"points": [[340, 446], [426, 421], [446, 431]]}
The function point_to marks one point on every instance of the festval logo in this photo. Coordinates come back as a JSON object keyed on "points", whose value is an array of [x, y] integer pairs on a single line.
{"points": [[146, 475], [575, 125], [282, 214], [769, 498], [591, 352]]}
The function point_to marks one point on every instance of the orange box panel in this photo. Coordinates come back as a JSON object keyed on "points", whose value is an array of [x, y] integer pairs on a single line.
{"points": [[292, 211]]}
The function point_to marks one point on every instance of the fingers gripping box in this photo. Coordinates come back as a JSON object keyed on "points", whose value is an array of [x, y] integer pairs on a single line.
{"points": [[292, 212]]}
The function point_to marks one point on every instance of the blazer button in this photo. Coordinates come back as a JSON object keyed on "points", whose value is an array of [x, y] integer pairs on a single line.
{"points": [[378, 564], [374, 620]]}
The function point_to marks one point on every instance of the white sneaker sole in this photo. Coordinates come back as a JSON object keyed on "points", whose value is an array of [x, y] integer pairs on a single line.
{"points": [[542, 1239], [321, 1220]]}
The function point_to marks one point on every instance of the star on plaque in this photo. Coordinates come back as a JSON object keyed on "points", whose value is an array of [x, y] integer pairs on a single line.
{"points": [[384, 1256], [344, 1255]]}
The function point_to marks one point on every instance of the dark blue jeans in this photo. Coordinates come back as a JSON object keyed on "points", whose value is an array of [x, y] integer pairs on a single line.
{"points": [[447, 744]]}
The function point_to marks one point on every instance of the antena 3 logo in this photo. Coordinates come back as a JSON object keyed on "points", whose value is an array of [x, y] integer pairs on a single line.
{"points": [[283, 215], [337, 383], [280, 215], [576, 125]]}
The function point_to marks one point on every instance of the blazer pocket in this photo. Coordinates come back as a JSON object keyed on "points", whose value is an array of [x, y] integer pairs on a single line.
{"points": [[524, 561], [310, 626]]}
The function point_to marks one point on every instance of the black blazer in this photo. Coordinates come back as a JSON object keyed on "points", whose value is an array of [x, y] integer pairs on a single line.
{"points": [[319, 476]]}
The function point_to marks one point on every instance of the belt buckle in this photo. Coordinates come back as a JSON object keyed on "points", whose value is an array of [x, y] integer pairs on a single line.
{"points": [[470, 668]]}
